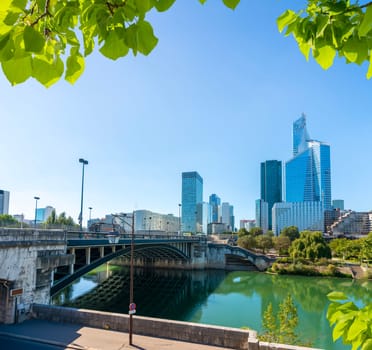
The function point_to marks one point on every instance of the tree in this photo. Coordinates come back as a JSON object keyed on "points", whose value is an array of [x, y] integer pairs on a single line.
{"points": [[310, 245], [52, 218], [351, 323], [256, 231], [282, 244], [281, 328], [326, 28], [291, 232], [7, 220], [45, 39], [247, 242], [264, 242]]}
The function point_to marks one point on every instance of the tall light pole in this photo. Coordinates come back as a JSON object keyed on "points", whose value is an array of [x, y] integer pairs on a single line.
{"points": [[90, 213], [132, 305], [84, 162], [179, 218], [36, 199]]}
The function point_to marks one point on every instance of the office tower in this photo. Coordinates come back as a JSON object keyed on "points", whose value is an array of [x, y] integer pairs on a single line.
{"points": [[304, 215], [42, 214], [262, 215], [4, 202], [271, 185], [203, 214], [338, 204], [192, 195], [215, 204], [228, 216], [308, 173]]}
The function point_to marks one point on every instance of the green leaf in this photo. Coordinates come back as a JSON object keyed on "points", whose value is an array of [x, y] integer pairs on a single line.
{"points": [[143, 6], [75, 66], [114, 47], [34, 41], [369, 72], [17, 70], [305, 49], [356, 328], [340, 328], [321, 23], [325, 55], [146, 39], [285, 19], [231, 3], [163, 5], [366, 24], [367, 345], [20, 4], [47, 73]]}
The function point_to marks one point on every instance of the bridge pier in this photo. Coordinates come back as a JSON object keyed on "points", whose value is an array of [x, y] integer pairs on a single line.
{"points": [[87, 256]]}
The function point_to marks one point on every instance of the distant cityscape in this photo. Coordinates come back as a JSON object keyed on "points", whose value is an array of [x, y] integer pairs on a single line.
{"points": [[298, 194]]}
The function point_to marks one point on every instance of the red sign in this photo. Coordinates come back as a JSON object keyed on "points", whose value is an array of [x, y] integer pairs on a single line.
{"points": [[15, 292], [132, 306]]}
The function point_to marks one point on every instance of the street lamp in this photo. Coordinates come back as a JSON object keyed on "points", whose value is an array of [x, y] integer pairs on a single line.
{"points": [[179, 219], [90, 213], [36, 199], [84, 162], [149, 224]]}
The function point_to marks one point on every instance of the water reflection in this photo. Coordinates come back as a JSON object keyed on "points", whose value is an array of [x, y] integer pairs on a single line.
{"points": [[234, 299]]}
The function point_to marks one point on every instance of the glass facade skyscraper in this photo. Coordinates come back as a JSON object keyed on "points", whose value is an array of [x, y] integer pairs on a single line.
{"points": [[308, 173], [271, 185], [192, 195], [215, 203], [4, 202]]}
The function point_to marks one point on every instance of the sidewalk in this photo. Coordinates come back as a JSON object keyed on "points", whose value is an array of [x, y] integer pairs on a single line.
{"points": [[71, 336]]}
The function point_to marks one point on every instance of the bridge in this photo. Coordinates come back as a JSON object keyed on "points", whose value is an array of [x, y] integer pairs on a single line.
{"points": [[31, 259]]}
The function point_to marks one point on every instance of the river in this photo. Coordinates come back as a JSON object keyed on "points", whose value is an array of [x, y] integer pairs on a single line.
{"points": [[233, 299]]}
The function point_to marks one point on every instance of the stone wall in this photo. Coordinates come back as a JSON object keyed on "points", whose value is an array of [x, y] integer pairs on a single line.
{"points": [[27, 260], [184, 331]]}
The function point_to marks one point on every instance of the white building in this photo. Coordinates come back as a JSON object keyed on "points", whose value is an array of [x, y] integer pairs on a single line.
{"points": [[262, 215], [304, 215]]}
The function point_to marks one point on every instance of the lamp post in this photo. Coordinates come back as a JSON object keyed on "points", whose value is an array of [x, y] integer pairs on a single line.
{"points": [[36, 199], [149, 225], [179, 219], [84, 162], [90, 213]]}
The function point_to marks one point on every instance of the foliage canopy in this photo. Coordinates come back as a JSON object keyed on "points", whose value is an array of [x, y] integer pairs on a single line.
{"points": [[48, 39]]}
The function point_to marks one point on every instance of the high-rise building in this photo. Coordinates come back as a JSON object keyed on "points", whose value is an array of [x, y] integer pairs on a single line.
{"points": [[192, 195], [308, 173], [42, 214], [215, 204], [228, 216], [203, 217], [338, 204], [262, 215], [4, 202], [305, 215], [271, 185]]}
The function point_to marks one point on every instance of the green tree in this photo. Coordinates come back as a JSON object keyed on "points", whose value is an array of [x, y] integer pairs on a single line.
{"points": [[243, 232], [247, 242], [282, 244], [45, 39], [7, 220], [52, 218], [291, 232], [256, 231], [351, 323], [264, 242], [281, 328], [310, 245]]}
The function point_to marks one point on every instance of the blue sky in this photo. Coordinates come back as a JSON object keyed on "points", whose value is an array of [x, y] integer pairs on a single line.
{"points": [[217, 95]]}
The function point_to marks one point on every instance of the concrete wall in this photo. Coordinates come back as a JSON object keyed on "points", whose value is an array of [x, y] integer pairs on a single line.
{"points": [[27, 260], [184, 331]]}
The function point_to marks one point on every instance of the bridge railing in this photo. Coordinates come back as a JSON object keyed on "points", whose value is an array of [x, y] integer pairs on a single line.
{"points": [[126, 236]]}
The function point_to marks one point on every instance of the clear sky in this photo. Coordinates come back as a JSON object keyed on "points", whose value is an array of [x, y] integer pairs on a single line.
{"points": [[217, 95]]}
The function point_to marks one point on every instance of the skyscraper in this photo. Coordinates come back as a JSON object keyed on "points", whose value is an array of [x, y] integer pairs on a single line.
{"points": [[192, 195], [262, 215], [4, 202], [271, 185], [215, 203], [228, 216], [308, 173]]}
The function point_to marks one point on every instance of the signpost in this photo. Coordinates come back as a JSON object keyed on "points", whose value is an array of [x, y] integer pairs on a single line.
{"points": [[15, 292], [132, 308]]}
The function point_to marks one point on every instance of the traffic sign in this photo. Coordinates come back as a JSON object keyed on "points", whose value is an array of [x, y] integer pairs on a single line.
{"points": [[132, 308]]}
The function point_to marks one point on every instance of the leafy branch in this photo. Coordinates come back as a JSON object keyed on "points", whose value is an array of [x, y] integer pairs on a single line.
{"points": [[44, 14]]}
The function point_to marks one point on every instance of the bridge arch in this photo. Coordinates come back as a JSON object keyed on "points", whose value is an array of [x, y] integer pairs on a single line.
{"points": [[155, 251]]}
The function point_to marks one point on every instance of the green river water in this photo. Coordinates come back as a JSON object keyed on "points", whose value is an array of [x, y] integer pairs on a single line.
{"points": [[233, 299]]}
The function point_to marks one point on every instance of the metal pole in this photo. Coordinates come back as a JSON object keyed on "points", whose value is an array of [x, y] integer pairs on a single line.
{"points": [[179, 219], [36, 199], [131, 282], [84, 162]]}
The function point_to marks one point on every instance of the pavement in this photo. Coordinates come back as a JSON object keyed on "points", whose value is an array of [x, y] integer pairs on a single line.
{"points": [[71, 336]]}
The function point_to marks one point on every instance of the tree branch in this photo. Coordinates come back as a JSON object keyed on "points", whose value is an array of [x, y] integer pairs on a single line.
{"points": [[44, 14]]}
